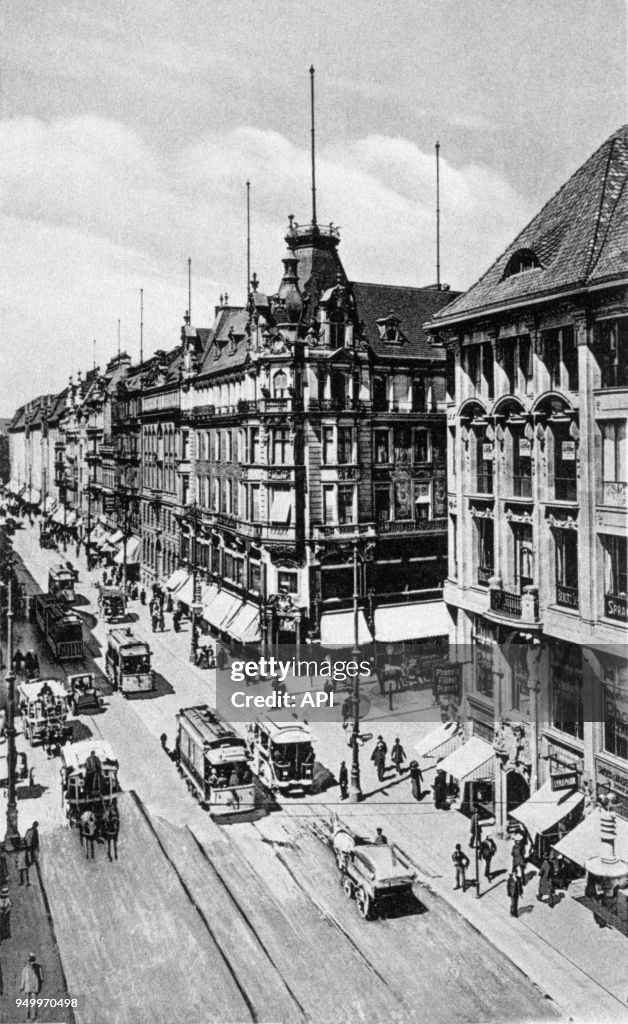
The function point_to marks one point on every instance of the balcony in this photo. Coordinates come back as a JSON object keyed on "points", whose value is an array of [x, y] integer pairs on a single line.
{"points": [[342, 531], [615, 493], [504, 602], [616, 607], [521, 487], [566, 596], [393, 526], [565, 488]]}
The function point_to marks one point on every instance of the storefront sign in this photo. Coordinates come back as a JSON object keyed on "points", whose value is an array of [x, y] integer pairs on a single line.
{"points": [[564, 780], [608, 776], [487, 452], [525, 447], [448, 681], [569, 451]]}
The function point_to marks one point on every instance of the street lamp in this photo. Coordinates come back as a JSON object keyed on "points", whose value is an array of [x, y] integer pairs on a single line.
{"points": [[196, 602], [355, 790], [12, 837]]}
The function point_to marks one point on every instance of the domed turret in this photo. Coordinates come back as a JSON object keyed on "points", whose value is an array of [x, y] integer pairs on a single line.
{"points": [[289, 294]]}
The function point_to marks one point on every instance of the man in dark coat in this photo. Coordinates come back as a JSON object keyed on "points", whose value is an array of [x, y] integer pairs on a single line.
{"points": [[514, 890], [474, 834], [416, 778], [518, 860], [398, 756], [546, 882], [440, 790], [378, 757], [461, 863], [488, 850], [343, 781], [32, 842], [93, 774]]}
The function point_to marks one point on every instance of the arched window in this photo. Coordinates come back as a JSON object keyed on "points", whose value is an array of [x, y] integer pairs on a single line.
{"points": [[280, 385], [520, 261]]}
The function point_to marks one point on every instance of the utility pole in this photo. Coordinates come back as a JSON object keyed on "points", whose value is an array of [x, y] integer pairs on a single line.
{"points": [[355, 790], [12, 837]]}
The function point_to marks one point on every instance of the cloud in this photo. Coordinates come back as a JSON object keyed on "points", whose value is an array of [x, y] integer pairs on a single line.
{"points": [[90, 213]]}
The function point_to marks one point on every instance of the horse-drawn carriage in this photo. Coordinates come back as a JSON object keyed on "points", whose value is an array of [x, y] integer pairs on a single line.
{"points": [[372, 873], [44, 709], [89, 778]]}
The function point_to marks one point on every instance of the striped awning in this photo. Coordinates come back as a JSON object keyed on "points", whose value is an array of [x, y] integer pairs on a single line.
{"points": [[473, 761], [222, 609], [245, 626]]}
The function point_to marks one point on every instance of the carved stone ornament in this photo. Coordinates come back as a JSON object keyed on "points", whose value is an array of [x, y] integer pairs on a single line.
{"points": [[481, 512], [558, 522]]}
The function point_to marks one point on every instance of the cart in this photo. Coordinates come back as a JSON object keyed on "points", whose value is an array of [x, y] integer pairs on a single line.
{"points": [[84, 694], [44, 709], [370, 873], [81, 789]]}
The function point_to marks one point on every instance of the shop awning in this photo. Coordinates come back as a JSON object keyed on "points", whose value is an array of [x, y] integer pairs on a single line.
{"points": [[60, 515], [281, 506], [583, 842], [132, 552], [411, 621], [338, 629], [34, 496], [71, 518], [440, 741], [50, 505], [116, 537], [177, 579], [185, 593], [473, 761], [222, 609], [245, 626], [546, 808]]}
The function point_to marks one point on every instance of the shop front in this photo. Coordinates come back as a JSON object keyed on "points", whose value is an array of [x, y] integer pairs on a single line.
{"points": [[551, 812], [470, 774]]}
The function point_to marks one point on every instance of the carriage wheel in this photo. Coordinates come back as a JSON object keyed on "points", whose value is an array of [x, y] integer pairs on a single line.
{"points": [[364, 904], [347, 887]]}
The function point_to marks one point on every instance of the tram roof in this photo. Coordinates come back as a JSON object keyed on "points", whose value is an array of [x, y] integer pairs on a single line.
{"points": [[30, 691], [286, 732], [208, 726]]}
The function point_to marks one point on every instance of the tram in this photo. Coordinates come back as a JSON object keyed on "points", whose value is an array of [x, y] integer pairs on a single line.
{"points": [[283, 755], [82, 789], [62, 629], [127, 662], [215, 761], [61, 582], [43, 706]]}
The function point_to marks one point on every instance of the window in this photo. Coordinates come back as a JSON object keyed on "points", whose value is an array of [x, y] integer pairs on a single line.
{"points": [[615, 681], [570, 358], [565, 464], [288, 582], [488, 369], [226, 496], [474, 367], [254, 446], [523, 556], [421, 445], [566, 680], [185, 490], [280, 385], [254, 503], [328, 446], [615, 577], [484, 462], [566, 567], [281, 447], [382, 446], [345, 503], [380, 394], [216, 502], [345, 445], [521, 463], [521, 261], [423, 500], [280, 505], [483, 667], [509, 364], [525, 361], [520, 696], [382, 503], [450, 375], [255, 577], [613, 353], [185, 445], [226, 446], [485, 548], [216, 446], [419, 400], [614, 451], [329, 504]]}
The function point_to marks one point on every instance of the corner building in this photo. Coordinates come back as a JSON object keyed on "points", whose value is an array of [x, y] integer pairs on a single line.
{"points": [[536, 408]]}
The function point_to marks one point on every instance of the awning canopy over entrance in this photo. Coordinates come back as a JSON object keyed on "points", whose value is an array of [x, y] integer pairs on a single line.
{"points": [[473, 761], [546, 808], [411, 621], [177, 579], [338, 628], [583, 842], [132, 552], [441, 741], [245, 626], [222, 609]]}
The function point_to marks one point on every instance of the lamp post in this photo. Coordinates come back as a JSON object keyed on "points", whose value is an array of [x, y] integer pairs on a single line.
{"points": [[195, 587], [12, 834]]}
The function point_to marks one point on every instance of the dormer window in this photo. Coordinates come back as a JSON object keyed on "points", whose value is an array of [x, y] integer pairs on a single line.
{"points": [[389, 330], [521, 261]]}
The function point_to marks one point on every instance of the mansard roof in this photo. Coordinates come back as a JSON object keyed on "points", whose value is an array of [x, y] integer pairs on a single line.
{"points": [[578, 239], [412, 307]]}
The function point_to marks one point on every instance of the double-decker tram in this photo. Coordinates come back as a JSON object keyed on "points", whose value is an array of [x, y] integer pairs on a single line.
{"points": [[215, 761], [283, 755], [62, 629]]}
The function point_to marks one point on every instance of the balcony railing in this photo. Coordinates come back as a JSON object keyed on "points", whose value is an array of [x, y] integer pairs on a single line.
{"points": [[616, 607], [484, 483], [506, 603], [484, 575], [412, 526], [615, 493], [566, 596], [522, 487], [565, 488], [321, 531]]}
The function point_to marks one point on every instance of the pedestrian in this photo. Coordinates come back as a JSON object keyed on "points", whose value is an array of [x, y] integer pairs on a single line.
{"points": [[163, 739], [398, 755], [461, 863], [162, 621], [176, 620], [18, 661], [518, 860], [378, 757], [142, 596], [474, 835], [546, 882], [5, 913], [32, 842], [380, 838], [154, 621], [343, 780], [93, 775], [514, 889], [169, 604], [440, 790], [416, 778], [31, 984], [22, 864], [112, 828], [488, 850], [88, 832]]}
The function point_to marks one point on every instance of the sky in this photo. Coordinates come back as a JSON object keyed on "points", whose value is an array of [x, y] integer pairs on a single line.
{"points": [[128, 131]]}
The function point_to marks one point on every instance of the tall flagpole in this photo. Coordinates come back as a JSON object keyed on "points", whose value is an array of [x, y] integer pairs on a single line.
{"points": [[141, 326], [438, 215], [248, 237], [313, 146]]}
